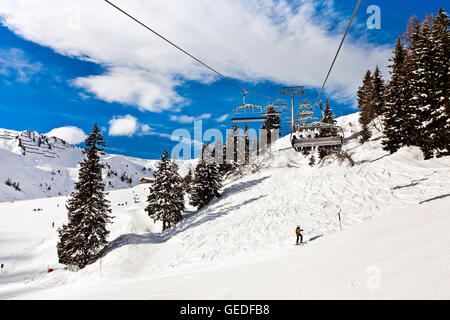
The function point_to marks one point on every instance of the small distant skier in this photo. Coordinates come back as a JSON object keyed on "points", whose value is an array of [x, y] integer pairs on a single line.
{"points": [[298, 232], [53, 224]]}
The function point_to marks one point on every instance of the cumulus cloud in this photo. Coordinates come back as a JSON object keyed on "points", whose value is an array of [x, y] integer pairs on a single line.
{"points": [[189, 119], [123, 126], [252, 40], [14, 62], [72, 135], [129, 126]]}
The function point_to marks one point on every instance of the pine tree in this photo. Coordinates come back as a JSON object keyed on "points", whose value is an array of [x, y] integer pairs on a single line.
{"points": [[225, 166], [422, 88], [207, 183], [246, 145], [328, 117], [187, 181], [410, 119], [396, 112], [439, 126], [85, 234], [378, 87], [232, 146], [166, 198], [365, 104], [272, 122]]}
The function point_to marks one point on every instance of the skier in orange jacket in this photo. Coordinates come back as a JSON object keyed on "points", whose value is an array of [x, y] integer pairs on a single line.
{"points": [[298, 232]]}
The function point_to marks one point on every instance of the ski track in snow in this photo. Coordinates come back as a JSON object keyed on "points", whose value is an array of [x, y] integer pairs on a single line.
{"points": [[254, 219]]}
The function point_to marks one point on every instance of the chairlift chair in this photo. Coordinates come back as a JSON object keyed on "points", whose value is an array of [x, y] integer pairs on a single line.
{"points": [[248, 113], [305, 113], [254, 113], [305, 126], [300, 143]]}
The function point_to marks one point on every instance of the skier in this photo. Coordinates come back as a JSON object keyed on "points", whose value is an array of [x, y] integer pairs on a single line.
{"points": [[298, 231]]}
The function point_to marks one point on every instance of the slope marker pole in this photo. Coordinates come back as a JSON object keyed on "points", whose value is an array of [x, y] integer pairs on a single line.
{"points": [[340, 221]]}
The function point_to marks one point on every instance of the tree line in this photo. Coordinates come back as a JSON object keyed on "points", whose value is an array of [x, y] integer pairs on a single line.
{"points": [[414, 106]]}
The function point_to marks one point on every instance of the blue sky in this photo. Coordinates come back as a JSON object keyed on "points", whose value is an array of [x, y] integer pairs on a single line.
{"points": [[39, 89]]}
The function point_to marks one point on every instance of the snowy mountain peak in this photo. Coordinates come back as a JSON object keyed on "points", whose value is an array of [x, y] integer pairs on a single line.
{"points": [[32, 142], [35, 165]]}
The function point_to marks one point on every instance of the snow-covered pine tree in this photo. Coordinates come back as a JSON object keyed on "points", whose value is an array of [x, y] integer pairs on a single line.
{"points": [[88, 210], [166, 198], [365, 104], [207, 182], [328, 117], [439, 126], [422, 88], [396, 111], [272, 122], [378, 93], [187, 181], [232, 146], [225, 165], [410, 120], [246, 145]]}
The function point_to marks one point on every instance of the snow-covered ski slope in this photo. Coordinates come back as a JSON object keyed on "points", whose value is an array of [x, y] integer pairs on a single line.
{"points": [[242, 245], [47, 166]]}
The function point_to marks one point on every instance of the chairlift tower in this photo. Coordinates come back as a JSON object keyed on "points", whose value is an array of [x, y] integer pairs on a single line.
{"points": [[292, 91]]}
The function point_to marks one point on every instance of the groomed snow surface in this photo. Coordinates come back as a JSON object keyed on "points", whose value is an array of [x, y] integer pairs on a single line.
{"points": [[394, 244]]}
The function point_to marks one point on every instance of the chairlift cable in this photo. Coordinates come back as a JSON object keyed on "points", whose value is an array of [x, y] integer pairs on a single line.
{"points": [[184, 51], [339, 49]]}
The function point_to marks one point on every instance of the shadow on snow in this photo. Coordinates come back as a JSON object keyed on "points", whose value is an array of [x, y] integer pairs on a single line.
{"points": [[191, 219]]}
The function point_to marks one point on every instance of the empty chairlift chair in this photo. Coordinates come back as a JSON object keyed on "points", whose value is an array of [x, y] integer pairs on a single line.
{"points": [[248, 113]]}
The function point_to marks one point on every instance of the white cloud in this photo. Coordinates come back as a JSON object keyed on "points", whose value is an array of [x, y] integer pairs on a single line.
{"points": [[148, 91], [189, 119], [145, 128], [13, 62], [252, 40], [129, 126], [72, 135], [222, 118], [123, 126]]}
